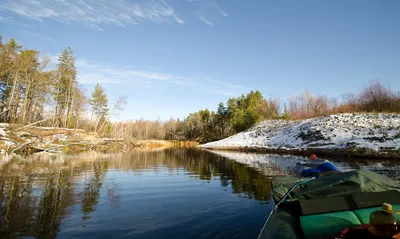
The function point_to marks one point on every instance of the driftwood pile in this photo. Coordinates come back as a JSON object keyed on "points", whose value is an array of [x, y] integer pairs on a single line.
{"points": [[37, 139]]}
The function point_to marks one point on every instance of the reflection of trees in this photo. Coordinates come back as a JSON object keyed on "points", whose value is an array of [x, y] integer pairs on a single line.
{"points": [[14, 196], [36, 194], [28, 214], [203, 165], [91, 191], [57, 197], [33, 204]]}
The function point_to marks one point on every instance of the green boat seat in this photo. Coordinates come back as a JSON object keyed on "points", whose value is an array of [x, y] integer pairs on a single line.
{"points": [[348, 202], [363, 214], [325, 217], [327, 224]]}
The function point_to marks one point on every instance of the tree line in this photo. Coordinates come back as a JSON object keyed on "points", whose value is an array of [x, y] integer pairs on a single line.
{"points": [[30, 93], [236, 115], [241, 113]]}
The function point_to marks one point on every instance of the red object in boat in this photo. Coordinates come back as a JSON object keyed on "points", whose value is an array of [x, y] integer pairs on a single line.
{"points": [[361, 232]]}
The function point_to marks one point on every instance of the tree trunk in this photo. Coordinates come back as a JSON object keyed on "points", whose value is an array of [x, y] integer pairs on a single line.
{"points": [[10, 100], [18, 98], [26, 100], [68, 101], [57, 100], [5, 95]]}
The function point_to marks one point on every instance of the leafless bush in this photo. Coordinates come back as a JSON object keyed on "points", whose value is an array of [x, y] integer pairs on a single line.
{"points": [[374, 98], [172, 129], [306, 105]]}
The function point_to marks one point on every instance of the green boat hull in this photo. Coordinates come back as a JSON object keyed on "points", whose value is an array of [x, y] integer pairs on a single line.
{"points": [[327, 205]]}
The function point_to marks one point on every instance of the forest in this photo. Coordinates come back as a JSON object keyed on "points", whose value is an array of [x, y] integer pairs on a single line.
{"points": [[33, 94], [240, 113]]}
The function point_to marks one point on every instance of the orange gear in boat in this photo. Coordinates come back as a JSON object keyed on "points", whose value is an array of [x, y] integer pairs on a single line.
{"points": [[313, 157]]}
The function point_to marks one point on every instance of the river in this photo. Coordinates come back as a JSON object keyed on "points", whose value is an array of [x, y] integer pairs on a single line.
{"points": [[171, 193]]}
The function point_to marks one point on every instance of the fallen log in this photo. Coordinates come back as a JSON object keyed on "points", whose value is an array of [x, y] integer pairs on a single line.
{"points": [[26, 149]]}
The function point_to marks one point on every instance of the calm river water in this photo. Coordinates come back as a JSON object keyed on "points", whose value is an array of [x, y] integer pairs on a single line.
{"points": [[173, 193]]}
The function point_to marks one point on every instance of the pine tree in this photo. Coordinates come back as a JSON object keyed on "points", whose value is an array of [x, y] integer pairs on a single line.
{"points": [[66, 83], [11, 51], [99, 104], [222, 119]]}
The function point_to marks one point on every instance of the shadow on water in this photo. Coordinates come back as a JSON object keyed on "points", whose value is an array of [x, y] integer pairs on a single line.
{"points": [[140, 194]]}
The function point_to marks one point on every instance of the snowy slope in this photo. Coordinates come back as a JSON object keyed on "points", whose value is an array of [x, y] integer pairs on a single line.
{"points": [[370, 131]]}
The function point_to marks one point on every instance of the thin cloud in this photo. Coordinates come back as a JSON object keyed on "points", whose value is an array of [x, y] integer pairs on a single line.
{"points": [[32, 34], [179, 20], [94, 13], [223, 88], [222, 12], [4, 18], [93, 78], [112, 74], [223, 92], [92, 72], [204, 20], [97, 13]]}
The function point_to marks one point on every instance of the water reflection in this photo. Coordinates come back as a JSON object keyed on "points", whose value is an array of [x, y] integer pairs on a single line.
{"points": [[272, 164], [267, 164], [390, 168], [173, 193], [32, 207], [45, 195]]}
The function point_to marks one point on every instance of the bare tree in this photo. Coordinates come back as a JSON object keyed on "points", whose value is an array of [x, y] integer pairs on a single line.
{"points": [[118, 107]]}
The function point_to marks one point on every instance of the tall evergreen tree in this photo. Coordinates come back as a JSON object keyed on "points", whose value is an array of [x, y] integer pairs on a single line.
{"points": [[11, 75], [66, 83], [222, 119], [245, 111], [99, 104]]}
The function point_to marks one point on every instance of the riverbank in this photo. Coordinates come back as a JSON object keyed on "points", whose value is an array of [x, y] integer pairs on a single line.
{"points": [[341, 135], [28, 140]]}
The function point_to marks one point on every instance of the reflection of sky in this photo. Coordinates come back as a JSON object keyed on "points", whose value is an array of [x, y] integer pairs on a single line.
{"points": [[268, 163], [388, 168], [163, 201]]}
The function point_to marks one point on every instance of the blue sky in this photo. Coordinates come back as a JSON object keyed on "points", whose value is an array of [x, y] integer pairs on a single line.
{"points": [[173, 57]]}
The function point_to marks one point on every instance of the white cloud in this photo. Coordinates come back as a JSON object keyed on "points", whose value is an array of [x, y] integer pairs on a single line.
{"points": [[93, 77], [4, 18], [94, 13], [97, 13], [222, 12], [179, 20], [223, 92], [91, 72], [204, 20]]}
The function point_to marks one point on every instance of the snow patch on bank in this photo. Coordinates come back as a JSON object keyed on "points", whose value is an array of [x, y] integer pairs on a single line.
{"points": [[3, 128], [370, 131]]}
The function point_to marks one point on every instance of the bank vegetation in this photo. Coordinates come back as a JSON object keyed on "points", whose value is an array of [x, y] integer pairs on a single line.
{"points": [[35, 91]]}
